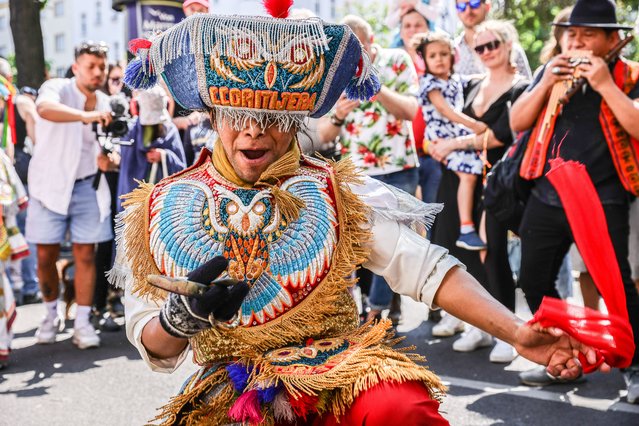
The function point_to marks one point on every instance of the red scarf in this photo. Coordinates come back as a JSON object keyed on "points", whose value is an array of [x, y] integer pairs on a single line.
{"points": [[624, 149], [610, 334]]}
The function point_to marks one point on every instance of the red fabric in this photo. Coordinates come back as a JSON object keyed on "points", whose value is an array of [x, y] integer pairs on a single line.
{"points": [[419, 129], [388, 403], [611, 335], [419, 125], [278, 8], [11, 118]]}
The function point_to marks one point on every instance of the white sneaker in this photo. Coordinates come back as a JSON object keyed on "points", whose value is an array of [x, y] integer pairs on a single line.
{"points": [[86, 337], [471, 340], [49, 327], [502, 352], [448, 326]]}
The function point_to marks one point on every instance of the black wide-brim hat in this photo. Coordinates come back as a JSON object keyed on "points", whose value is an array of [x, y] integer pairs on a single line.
{"points": [[594, 14]]}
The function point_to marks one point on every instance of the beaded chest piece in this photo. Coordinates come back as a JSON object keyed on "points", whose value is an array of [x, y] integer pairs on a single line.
{"points": [[201, 215]]}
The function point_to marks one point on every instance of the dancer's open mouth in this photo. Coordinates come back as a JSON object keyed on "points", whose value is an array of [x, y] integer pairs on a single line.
{"points": [[253, 154]]}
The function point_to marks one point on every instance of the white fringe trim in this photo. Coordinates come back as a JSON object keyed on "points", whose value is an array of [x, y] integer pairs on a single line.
{"points": [[121, 273], [238, 118], [410, 211]]}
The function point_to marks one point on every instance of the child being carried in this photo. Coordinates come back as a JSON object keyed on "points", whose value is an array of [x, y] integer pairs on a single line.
{"points": [[442, 99]]}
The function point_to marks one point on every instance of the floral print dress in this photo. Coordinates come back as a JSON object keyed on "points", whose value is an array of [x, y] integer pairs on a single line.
{"points": [[378, 142], [439, 127]]}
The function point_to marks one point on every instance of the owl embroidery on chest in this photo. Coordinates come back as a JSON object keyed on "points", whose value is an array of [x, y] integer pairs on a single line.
{"points": [[194, 219]]}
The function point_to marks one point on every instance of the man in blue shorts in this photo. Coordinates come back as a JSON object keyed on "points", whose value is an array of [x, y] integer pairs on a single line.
{"points": [[63, 200]]}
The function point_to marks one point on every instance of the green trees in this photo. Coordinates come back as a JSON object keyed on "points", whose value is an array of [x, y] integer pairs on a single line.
{"points": [[533, 19]]}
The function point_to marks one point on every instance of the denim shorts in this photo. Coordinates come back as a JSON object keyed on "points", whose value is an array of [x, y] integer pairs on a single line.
{"points": [[82, 220]]}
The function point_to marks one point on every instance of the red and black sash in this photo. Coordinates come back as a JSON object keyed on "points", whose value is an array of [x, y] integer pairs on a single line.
{"points": [[623, 148]]}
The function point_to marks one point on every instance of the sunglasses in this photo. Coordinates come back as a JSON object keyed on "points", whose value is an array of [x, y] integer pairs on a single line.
{"points": [[116, 80], [490, 46], [92, 48], [474, 4]]}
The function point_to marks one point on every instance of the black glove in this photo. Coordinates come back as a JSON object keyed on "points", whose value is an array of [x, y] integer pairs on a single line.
{"points": [[183, 316]]}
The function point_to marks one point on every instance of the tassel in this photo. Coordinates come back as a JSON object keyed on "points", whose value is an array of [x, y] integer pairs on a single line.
{"points": [[136, 77], [282, 410], [304, 405], [239, 375], [364, 90], [366, 83], [138, 43], [278, 8], [266, 396], [247, 408]]}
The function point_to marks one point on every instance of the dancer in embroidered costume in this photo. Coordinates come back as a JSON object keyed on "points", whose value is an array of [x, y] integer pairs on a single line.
{"points": [[255, 243]]}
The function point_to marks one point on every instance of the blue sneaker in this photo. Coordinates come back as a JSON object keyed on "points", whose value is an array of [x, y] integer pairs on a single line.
{"points": [[470, 241]]}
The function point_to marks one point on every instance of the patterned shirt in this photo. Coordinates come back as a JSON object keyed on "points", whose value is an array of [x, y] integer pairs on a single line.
{"points": [[467, 61], [438, 126], [378, 142]]}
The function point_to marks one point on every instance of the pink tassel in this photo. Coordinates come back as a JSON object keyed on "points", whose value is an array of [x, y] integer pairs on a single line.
{"points": [[247, 408], [282, 410]]}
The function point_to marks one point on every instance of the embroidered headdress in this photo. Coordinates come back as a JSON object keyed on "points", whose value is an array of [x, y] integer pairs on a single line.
{"points": [[270, 69]]}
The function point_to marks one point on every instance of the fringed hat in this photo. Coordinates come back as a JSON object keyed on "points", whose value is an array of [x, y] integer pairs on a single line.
{"points": [[270, 69]]}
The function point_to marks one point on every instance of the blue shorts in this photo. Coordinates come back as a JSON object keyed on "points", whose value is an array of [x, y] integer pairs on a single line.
{"points": [[82, 220]]}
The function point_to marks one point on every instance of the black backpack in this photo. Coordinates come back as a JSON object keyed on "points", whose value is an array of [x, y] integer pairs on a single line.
{"points": [[505, 192]]}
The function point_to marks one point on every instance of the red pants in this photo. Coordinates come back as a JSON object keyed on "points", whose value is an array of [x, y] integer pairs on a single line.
{"points": [[406, 404]]}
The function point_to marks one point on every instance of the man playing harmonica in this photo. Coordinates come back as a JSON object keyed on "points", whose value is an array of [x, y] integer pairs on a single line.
{"points": [[596, 128]]}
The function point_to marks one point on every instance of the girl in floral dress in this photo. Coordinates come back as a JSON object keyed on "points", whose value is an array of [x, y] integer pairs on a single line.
{"points": [[442, 99]]}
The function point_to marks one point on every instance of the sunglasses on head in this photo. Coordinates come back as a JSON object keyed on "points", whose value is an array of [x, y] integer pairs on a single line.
{"points": [[490, 46], [92, 48], [474, 4]]}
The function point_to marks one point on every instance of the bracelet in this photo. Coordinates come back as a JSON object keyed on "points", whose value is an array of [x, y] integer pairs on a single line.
{"points": [[336, 121]]}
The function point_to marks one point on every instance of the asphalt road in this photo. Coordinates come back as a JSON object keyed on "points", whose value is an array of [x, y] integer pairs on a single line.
{"points": [[61, 385]]}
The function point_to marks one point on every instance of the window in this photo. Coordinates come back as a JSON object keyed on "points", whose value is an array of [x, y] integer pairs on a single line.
{"points": [[3, 51], [60, 71], [3, 22], [98, 13], [333, 13], [58, 9], [114, 16], [59, 42], [83, 25], [116, 51], [317, 7]]}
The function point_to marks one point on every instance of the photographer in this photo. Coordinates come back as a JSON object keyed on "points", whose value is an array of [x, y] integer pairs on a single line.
{"points": [[60, 184]]}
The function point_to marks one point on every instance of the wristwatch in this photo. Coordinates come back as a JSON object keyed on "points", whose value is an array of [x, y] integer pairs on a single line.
{"points": [[336, 121]]}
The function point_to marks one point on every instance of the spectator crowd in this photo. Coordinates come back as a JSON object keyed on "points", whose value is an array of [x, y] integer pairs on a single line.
{"points": [[450, 108]]}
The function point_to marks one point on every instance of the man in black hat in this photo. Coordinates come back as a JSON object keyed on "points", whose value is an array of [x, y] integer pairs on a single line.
{"points": [[588, 130]]}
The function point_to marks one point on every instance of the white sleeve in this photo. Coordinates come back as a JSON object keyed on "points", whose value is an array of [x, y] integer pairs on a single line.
{"points": [[409, 262], [50, 90], [138, 313]]}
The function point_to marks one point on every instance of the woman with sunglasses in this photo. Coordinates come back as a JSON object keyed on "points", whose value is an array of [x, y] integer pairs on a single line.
{"points": [[114, 82], [486, 99], [471, 14]]}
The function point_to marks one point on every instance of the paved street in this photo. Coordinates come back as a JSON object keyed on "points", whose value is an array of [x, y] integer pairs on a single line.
{"points": [[60, 385]]}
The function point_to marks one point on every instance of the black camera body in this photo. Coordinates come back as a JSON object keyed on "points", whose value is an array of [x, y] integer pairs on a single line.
{"points": [[119, 125], [117, 128]]}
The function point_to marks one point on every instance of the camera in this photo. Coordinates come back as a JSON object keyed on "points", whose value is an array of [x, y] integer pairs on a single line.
{"points": [[119, 125]]}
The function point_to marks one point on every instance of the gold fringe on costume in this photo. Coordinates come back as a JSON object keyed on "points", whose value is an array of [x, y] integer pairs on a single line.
{"points": [[308, 319], [132, 232], [371, 361], [190, 409]]}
